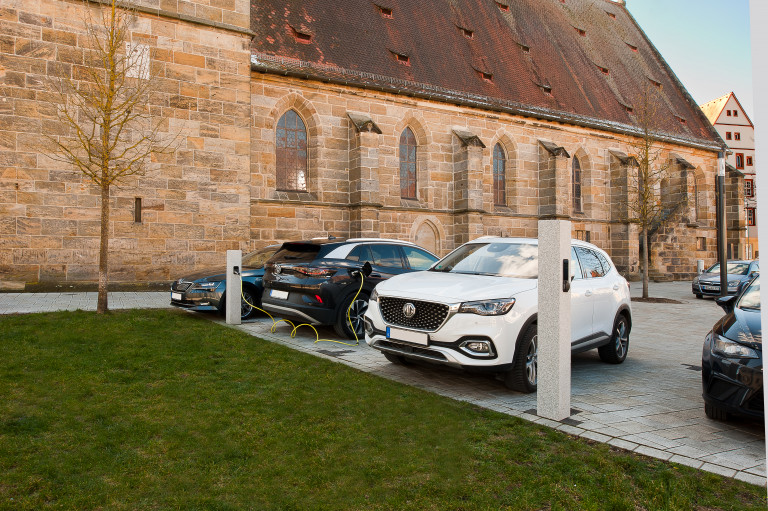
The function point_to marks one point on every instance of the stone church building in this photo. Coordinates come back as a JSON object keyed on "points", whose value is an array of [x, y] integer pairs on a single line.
{"points": [[435, 121]]}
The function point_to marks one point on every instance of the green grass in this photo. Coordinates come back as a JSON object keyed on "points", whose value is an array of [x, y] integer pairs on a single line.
{"points": [[167, 410]]}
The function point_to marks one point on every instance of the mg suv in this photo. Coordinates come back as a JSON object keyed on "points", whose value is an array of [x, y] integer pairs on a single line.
{"points": [[476, 309]]}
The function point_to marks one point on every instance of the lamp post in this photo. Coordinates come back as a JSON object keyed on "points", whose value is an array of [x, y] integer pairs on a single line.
{"points": [[721, 227]]}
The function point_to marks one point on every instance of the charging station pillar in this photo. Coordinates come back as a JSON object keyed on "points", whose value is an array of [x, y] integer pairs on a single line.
{"points": [[553, 397], [232, 305]]}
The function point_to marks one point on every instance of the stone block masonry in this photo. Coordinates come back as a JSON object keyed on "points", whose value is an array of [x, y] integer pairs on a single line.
{"points": [[195, 203]]}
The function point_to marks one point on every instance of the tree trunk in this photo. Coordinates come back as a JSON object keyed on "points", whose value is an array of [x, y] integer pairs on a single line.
{"points": [[102, 305], [644, 261]]}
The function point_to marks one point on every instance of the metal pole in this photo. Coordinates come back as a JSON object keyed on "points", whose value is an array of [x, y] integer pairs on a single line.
{"points": [[721, 227]]}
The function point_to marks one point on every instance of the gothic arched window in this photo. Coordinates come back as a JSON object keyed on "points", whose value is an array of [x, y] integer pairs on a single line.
{"points": [[407, 164], [291, 153], [576, 180], [499, 176]]}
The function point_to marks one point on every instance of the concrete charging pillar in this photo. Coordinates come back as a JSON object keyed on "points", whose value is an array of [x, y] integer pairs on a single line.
{"points": [[232, 303], [553, 397]]}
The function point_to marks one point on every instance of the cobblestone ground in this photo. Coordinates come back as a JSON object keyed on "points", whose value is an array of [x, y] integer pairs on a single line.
{"points": [[651, 404]]}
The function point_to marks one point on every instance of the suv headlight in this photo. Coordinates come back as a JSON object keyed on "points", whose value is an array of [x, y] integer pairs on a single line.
{"points": [[488, 307], [731, 349], [206, 285]]}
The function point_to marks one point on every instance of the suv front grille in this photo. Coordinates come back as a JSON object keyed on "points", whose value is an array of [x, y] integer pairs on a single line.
{"points": [[429, 316], [180, 286]]}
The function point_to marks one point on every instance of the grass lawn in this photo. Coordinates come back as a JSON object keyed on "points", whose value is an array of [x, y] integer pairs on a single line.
{"points": [[167, 410]]}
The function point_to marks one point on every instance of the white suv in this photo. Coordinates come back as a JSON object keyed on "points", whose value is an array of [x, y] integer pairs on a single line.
{"points": [[476, 309]]}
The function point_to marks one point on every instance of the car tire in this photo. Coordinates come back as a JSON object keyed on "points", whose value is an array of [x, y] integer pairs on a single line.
{"points": [[524, 374], [356, 313], [615, 352], [247, 301], [699, 297], [715, 412], [396, 359]]}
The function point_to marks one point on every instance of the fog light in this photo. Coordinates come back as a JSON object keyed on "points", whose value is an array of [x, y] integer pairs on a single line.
{"points": [[478, 348], [368, 326]]}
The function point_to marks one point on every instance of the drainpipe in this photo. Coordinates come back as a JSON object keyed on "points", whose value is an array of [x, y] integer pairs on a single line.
{"points": [[721, 227]]}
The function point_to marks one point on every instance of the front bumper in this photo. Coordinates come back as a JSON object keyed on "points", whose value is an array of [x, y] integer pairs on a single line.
{"points": [[735, 385], [197, 299], [702, 288], [447, 345]]}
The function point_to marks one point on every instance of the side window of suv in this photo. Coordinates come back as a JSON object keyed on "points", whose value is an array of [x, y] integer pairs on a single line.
{"points": [[606, 264], [590, 262], [575, 265], [360, 253], [417, 258], [386, 255]]}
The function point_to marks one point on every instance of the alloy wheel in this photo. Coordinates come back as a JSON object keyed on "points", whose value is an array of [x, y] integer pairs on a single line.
{"points": [[532, 361]]}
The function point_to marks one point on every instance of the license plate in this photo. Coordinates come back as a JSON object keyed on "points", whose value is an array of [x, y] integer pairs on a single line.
{"points": [[408, 336], [175, 296], [280, 295], [712, 288]]}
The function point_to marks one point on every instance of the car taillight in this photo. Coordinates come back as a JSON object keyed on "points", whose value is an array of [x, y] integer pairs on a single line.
{"points": [[317, 273]]}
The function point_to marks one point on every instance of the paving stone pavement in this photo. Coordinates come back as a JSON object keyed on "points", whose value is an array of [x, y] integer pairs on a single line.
{"points": [[651, 404]]}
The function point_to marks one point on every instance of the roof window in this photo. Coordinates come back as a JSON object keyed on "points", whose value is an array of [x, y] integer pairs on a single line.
{"points": [[604, 70], [488, 77], [610, 15], [301, 37], [503, 7], [469, 34], [655, 83], [385, 12], [680, 119], [632, 47], [546, 89], [402, 58], [526, 49], [581, 31]]}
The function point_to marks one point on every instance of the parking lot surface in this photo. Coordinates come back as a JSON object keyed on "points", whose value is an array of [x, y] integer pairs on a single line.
{"points": [[651, 404]]}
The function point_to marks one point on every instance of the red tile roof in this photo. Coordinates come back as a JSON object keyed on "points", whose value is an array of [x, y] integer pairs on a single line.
{"points": [[584, 62]]}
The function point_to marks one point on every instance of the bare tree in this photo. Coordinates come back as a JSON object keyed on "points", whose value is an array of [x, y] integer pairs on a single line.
{"points": [[105, 107], [649, 171]]}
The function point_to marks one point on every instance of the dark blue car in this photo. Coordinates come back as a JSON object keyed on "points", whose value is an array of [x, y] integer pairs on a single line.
{"points": [[732, 359], [739, 274], [205, 290]]}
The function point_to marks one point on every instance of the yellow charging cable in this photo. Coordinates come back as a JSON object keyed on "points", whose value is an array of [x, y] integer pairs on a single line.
{"points": [[296, 327]]}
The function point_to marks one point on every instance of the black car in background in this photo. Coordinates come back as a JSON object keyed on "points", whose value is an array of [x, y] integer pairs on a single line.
{"points": [[205, 290], [739, 273], [732, 359], [315, 281]]}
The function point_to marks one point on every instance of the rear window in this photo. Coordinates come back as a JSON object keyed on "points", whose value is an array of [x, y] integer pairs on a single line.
{"points": [[258, 258], [590, 262], [297, 253]]}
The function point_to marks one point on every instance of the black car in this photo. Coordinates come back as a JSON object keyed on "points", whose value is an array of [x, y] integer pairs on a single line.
{"points": [[315, 281], [739, 273], [205, 290], [732, 360]]}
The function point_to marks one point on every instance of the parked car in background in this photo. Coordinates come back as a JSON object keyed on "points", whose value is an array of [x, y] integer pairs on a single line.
{"points": [[476, 309], [732, 358], [739, 273], [205, 290], [315, 282]]}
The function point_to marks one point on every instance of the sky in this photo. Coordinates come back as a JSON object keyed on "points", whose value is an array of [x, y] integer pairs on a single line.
{"points": [[705, 42]]}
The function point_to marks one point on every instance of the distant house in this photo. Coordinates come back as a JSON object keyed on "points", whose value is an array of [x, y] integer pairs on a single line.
{"points": [[434, 121], [734, 126]]}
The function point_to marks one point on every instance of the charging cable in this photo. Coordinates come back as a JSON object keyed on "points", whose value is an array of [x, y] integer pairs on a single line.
{"points": [[317, 334]]}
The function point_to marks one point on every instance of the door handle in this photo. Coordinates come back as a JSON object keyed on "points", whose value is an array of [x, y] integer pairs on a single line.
{"points": [[615, 287], [588, 292]]}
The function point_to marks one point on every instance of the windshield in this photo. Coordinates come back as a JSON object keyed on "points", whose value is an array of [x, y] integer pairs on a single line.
{"points": [[731, 268], [258, 258], [519, 260], [750, 299]]}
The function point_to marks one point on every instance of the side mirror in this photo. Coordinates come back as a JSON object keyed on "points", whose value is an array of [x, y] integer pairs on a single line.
{"points": [[726, 303]]}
